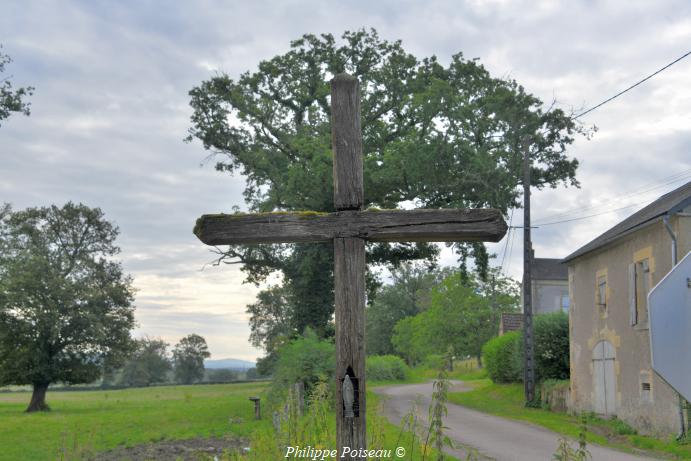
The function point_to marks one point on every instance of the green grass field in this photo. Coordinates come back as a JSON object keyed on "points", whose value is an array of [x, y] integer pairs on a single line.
{"points": [[101, 420], [95, 421]]}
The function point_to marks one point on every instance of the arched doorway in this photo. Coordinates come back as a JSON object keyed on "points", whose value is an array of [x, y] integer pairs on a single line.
{"points": [[604, 378]]}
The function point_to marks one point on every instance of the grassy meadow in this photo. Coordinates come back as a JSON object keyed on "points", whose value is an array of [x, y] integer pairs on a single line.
{"points": [[101, 420], [82, 423]]}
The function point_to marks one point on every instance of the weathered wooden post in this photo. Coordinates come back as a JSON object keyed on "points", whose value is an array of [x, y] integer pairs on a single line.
{"points": [[348, 228], [349, 266], [257, 407], [300, 397]]}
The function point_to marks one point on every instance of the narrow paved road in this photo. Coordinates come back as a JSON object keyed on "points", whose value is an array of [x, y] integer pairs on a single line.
{"points": [[495, 438]]}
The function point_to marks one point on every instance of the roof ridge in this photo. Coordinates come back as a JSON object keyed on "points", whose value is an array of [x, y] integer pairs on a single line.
{"points": [[678, 199]]}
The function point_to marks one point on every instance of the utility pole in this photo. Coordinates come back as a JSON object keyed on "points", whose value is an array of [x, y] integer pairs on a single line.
{"points": [[528, 343]]}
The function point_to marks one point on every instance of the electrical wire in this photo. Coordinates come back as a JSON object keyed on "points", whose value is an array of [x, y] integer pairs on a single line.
{"points": [[506, 244], [508, 261], [632, 86], [646, 188], [592, 215]]}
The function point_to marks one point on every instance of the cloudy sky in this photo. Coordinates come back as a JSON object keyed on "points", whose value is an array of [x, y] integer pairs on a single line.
{"points": [[111, 109]]}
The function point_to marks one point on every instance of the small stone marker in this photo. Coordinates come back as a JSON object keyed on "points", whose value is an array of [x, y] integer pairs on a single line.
{"points": [[257, 407], [349, 228], [300, 397]]}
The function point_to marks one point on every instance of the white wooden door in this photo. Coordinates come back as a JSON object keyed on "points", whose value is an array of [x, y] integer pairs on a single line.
{"points": [[604, 378]]}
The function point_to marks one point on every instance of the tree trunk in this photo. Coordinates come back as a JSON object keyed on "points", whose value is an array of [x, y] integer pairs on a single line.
{"points": [[38, 399], [479, 360]]}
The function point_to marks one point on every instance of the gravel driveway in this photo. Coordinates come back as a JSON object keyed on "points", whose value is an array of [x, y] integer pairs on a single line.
{"points": [[494, 437]]}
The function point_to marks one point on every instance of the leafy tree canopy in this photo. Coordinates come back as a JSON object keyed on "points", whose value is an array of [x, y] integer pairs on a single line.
{"points": [[307, 359], [148, 364], [464, 313], [11, 100], [434, 135], [65, 305], [408, 295], [188, 356]]}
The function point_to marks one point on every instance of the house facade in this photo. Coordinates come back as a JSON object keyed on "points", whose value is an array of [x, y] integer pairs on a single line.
{"points": [[609, 280], [550, 285]]}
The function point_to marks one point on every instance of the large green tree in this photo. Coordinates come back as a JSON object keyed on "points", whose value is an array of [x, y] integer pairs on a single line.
{"points": [[188, 357], [434, 135], [65, 305], [11, 100]]}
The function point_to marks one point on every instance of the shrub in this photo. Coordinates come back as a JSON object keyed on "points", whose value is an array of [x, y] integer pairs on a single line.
{"points": [[551, 333], [386, 368], [621, 428], [504, 355], [503, 358], [307, 359], [435, 362]]}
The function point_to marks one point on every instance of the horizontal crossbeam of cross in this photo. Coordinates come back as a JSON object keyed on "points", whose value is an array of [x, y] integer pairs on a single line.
{"points": [[421, 225]]}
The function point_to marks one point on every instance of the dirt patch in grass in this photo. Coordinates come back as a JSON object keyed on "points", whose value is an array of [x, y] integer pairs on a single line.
{"points": [[169, 450]]}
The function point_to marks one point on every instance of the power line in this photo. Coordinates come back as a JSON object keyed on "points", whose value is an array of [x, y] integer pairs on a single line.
{"points": [[646, 188], [506, 244], [632, 86], [592, 215], [508, 261]]}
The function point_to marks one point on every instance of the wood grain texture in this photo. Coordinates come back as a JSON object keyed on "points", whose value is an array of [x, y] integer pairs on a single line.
{"points": [[346, 139], [440, 225], [349, 291]]}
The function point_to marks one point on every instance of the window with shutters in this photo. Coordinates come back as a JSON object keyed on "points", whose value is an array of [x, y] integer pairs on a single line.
{"points": [[639, 287], [602, 292], [642, 290]]}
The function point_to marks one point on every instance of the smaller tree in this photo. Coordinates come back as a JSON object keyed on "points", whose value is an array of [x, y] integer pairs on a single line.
{"points": [[409, 295], [188, 357], [464, 313], [148, 364], [306, 359], [11, 100], [252, 373]]}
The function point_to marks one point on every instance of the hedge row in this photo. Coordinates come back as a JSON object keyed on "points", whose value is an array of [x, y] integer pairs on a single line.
{"points": [[386, 368], [503, 355]]}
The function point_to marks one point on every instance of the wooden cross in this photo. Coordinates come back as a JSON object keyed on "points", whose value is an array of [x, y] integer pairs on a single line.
{"points": [[349, 227]]}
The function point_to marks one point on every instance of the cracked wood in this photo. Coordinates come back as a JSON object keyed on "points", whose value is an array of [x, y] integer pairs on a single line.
{"points": [[438, 225]]}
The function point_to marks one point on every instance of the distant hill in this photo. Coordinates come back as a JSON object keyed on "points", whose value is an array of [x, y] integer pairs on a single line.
{"points": [[232, 364]]}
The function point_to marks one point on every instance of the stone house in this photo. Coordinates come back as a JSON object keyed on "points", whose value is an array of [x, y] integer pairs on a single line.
{"points": [[609, 280], [550, 285]]}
